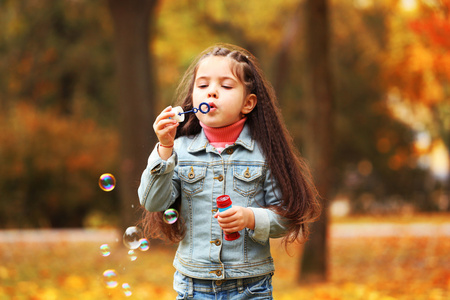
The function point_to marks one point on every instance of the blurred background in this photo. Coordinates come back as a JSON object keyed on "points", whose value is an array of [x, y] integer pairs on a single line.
{"points": [[60, 111], [81, 83]]}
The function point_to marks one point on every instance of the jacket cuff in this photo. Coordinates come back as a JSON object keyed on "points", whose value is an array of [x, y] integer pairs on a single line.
{"points": [[262, 226], [158, 166]]}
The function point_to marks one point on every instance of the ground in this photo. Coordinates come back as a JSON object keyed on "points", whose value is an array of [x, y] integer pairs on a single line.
{"points": [[369, 258]]}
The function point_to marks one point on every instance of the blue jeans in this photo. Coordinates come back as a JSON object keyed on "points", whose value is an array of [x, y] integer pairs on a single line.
{"points": [[234, 289]]}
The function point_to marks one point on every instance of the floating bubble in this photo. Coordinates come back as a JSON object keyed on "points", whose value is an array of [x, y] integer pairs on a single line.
{"points": [[126, 289], [132, 255], [144, 244], [170, 216], [110, 278], [105, 250], [131, 237], [107, 182]]}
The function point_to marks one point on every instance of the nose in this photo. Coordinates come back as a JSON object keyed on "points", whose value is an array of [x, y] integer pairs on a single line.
{"points": [[213, 95]]}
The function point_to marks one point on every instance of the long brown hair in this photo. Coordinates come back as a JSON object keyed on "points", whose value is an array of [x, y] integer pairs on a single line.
{"points": [[300, 201]]}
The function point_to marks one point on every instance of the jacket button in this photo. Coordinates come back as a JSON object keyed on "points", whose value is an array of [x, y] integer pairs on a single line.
{"points": [[216, 242], [217, 272], [230, 151], [191, 173], [220, 177], [247, 173]]}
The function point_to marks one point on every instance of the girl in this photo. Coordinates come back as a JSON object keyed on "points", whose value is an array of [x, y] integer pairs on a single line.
{"points": [[240, 148]]}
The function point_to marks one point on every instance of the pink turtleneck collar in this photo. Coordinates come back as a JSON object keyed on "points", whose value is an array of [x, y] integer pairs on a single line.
{"points": [[223, 136]]}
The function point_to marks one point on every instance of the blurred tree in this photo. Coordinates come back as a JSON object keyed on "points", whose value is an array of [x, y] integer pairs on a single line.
{"points": [[136, 82], [58, 57], [52, 56], [54, 74], [418, 67], [50, 165], [374, 156], [319, 95]]}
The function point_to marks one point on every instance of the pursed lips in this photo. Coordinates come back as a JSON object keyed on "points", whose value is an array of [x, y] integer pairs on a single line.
{"points": [[212, 106]]}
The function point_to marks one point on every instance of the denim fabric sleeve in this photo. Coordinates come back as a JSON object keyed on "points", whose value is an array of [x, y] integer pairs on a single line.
{"points": [[159, 186], [268, 224], [262, 225]]}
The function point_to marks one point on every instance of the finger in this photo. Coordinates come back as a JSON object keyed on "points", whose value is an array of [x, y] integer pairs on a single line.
{"points": [[165, 122], [227, 218], [228, 223], [164, 116], [228, 213], [167, 133], [232, 229], [158, 126], [229, 228], [167, 112]]}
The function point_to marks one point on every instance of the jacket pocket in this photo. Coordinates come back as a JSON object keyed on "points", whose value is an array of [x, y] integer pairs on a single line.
{"points": [[192, 179], [246, 179]]}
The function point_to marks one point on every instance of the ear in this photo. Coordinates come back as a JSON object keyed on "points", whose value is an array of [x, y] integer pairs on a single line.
{"points": [[249, 104]]}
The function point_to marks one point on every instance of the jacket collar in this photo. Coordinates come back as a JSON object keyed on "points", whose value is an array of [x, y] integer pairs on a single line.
{"points": [[200, 142]]}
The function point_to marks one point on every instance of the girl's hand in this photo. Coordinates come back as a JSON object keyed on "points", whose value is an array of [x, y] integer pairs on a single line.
{"points": [[165, 130], [235, 219]]}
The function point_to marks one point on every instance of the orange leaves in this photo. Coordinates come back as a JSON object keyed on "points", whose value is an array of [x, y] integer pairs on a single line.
{"points": [[416, 75], [419, 60], [360, 268], [50, 164], [369, 267], [74, 282], [435, 29], [54, 142]]}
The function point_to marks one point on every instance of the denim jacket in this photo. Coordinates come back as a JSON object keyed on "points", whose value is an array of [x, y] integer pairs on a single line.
{"points": [[198, 173]]}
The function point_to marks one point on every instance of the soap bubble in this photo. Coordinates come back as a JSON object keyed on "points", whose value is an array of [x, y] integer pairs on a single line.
{"points": [[144, 245], [126, 289], [107, 182], [110, 278], [105, 250], [132, 255], [170, 216], [131, 237]]}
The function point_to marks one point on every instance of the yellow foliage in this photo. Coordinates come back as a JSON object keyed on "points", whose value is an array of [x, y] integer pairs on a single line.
{"points": [[51, 162], [421, 59], [48, 294], [417, 68], [54, 141], [364, 268], [74, 283], [187, 27]]}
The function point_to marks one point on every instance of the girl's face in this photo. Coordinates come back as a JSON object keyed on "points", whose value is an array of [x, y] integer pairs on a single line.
{"points": [[216, 85]]}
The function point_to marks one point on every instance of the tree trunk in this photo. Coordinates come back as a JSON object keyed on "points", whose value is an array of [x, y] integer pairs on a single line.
{"points": [[282, 61], [133, 26], [318, 90]]}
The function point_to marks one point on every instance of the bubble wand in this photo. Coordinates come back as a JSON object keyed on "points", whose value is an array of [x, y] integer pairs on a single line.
{"points": [[179, 113]]}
